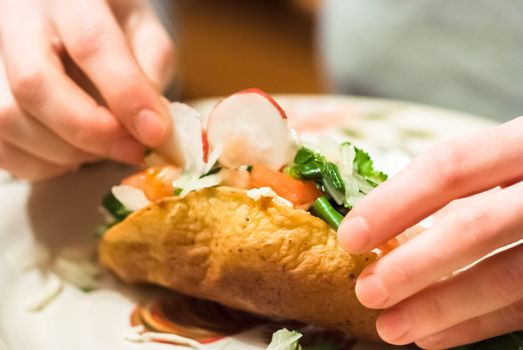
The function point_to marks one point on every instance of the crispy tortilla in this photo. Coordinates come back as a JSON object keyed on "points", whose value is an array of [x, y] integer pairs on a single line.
{"points": [[257, 256]]}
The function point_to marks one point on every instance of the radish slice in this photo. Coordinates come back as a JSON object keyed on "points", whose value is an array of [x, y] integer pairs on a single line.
{"points": [[185, 146], [252, 129]]}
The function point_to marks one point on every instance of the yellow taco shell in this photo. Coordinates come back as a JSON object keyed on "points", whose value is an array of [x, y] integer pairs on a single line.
{"points": [[257, 256]]}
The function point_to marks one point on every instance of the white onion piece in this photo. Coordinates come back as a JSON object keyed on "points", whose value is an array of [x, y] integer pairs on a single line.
{"points": [[139, 335], [257, 193], [331, 150], [252, 128], [131, 197], [184, 146], [189, 183], [52, 288], [80, 274]]}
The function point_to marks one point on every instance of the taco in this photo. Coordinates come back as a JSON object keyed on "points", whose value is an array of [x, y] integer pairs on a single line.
{"points": [[240, 212]]}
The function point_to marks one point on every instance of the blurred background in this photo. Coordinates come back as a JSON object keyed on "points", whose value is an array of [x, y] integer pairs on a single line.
{"points": [[229, 45], [427, 51]]}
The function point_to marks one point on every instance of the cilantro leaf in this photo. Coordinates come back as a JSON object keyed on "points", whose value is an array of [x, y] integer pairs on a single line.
{"points": [[364, 166]]}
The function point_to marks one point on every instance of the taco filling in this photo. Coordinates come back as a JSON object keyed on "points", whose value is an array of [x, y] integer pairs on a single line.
{"points": [[246, 144], [234, 208]]}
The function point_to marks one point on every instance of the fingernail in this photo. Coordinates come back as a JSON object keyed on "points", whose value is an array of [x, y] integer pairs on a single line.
{"points": [[150, 127], [127, 150], [353, 234], [371, 291], [393, 326]]}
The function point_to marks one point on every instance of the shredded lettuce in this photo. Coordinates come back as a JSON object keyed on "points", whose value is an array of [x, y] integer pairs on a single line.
{"points": [[285, 340]]}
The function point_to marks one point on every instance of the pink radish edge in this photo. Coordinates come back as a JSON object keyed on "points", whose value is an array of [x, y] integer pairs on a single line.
{"points": [[268, 97]]}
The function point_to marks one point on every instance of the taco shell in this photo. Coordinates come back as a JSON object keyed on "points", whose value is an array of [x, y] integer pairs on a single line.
{"points": [[257, 256]]}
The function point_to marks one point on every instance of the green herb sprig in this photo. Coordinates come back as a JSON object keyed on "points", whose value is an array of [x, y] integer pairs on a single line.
{"points": [[311, 165], [116, 209]]}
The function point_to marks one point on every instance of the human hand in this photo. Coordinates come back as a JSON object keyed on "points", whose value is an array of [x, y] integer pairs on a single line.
{"points": [[423, 303], [80, 80]]}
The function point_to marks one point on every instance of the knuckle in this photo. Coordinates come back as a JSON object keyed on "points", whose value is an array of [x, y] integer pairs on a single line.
{"points": [[128, 95], [73, 157], [445, 164], [84, 135], [475, 225], [432, 308], [127, 85], [26, 83], [88, 42], [89, 133]]}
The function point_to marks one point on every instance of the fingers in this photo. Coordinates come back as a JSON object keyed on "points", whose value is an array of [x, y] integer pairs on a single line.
{"points": [[491, 285], [506, 320], [95, 42], [462, 237], [43, 90], [24, 132], [158, 60], [32, 137], [25, 166], [452, 170]]}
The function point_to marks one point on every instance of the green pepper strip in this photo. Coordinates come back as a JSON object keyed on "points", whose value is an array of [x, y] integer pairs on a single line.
{"points": [[324, 210]]}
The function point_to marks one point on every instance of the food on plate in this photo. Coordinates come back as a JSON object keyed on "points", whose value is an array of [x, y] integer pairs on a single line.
{"points": [[236, 209]]}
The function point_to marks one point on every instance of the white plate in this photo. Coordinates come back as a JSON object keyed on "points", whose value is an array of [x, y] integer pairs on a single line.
{"points": [[63, 213]]}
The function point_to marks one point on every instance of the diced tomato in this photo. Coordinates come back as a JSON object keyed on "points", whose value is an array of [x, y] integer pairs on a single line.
{"points": [[296, 191], [135, 180], [156, 181]]}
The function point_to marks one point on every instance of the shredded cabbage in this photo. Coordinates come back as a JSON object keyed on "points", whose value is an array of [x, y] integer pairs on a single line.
{"points": [[257, 193], [285, 340], [139, 335], [74, 266], [213, 157], [189, 182], [358, 174], [52, 288]]}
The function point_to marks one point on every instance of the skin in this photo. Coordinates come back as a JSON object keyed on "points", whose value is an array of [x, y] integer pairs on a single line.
{"points": [[424, 301], [80, 81]]}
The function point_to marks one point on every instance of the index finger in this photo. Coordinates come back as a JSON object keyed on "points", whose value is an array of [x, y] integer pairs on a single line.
{"points": [[94, 40], [452, 170]]}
